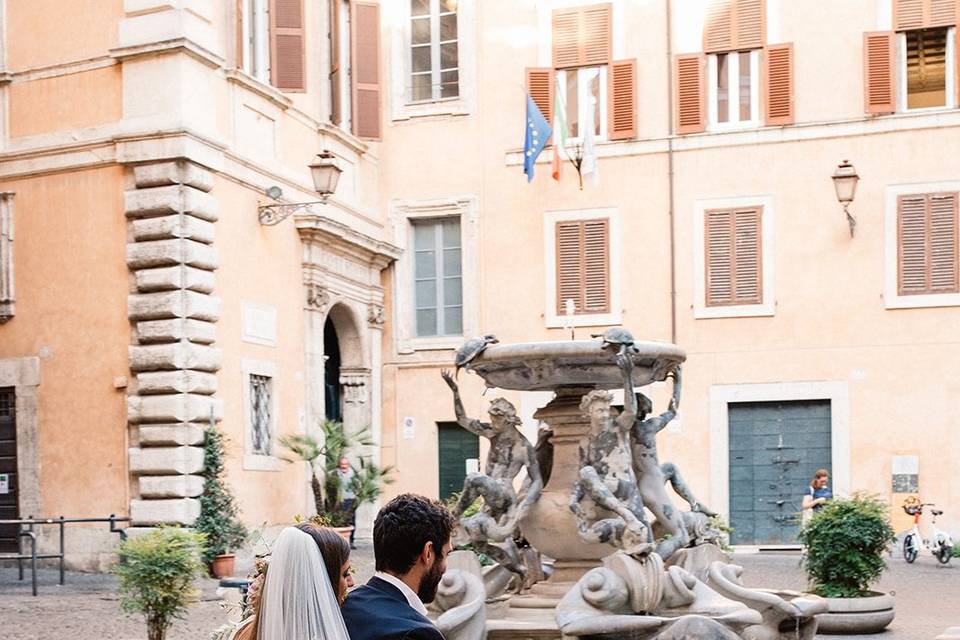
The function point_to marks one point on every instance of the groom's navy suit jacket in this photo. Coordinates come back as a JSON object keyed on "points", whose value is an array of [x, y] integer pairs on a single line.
{"points": [[379, 611]]}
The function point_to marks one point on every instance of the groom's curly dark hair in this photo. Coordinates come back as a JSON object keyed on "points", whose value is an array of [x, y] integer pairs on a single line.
{"points": [[404, 526]]}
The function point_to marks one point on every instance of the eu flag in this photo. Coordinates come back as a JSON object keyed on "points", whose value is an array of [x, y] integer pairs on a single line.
{"points": [[535, 138]]}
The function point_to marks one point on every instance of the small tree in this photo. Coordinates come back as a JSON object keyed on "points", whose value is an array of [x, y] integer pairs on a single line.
{"points": [[846, 540], [156, 573], [219, 518], [368, 479]]}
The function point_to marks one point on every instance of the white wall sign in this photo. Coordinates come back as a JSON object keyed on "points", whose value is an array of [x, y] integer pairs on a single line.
{"points": [[259, 323], [906, 465], [4, 484], [408, 428], [473, 465]]}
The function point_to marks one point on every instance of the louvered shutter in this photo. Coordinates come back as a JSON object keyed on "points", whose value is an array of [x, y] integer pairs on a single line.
{"points": [[943, 243], [287, 45], [569, 266], [365, 69], [878, 72], [582, 36], [583, 266], [336, 99], [923, 14], [733, 25], [238, 10], [622, 118], [540, 86], [927, 244], [596, 267], [691, 95], [733, 260], [778, 84]]}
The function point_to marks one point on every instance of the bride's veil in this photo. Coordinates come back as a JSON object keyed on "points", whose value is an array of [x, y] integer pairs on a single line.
{"points": [[298, 601]]}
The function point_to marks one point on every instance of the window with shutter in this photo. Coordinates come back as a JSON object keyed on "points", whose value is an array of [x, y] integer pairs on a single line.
{"points": [[878, 72], [927, 256], [254, 32], [592, 86], [583, 266], [287, 45], [365, 68], [923, 14], [733, 260], [927, 68], [734, 25], [540, 84], [690, 98], [778, 81]]}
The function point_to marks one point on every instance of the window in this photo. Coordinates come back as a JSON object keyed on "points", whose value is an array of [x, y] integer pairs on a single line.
{"points": [[438, 286], [927, 68], [733, 260], [734, 89], [7, 298], [255, 28], [927, 244], [584, 95], [340, 64], [583, 266], [434, 54], [260, 404]]}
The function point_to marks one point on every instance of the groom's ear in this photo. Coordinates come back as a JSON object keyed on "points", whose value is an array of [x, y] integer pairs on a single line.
{"points": [[428, 553]]}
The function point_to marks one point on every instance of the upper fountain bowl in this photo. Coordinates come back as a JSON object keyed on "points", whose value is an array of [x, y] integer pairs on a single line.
{"points": [[542, 366]]}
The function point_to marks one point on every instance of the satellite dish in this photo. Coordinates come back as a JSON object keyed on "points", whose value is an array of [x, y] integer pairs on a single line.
{"points": [[274, 192]]}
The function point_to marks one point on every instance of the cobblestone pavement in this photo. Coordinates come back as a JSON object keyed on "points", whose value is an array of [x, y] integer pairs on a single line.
{"points": [[927, 597]]}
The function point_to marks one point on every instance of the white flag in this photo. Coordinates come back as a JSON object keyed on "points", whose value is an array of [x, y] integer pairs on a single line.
{"points": [[588, 165]]}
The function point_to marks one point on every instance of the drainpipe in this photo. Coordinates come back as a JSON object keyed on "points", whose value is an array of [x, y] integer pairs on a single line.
{"points": [[670, 178]]}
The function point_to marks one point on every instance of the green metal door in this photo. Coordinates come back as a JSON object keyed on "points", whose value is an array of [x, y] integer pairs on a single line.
{"points": [[457, 445], [775, 448]]}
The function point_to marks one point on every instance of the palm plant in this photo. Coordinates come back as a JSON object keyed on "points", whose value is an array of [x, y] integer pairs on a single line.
{"points": [[323, 456]]}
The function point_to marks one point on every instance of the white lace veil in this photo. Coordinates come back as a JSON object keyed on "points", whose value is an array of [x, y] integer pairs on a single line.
{"points": [[298, 601]]}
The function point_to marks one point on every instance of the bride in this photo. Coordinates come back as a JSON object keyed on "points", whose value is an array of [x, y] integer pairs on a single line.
{"points": [[306, 582]]}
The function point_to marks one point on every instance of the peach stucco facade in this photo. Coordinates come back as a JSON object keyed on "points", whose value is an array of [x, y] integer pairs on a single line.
{"points": [[138, 149]]}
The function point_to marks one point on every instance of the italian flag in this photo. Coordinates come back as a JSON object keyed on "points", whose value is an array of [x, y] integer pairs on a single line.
{"points": [[559, 131]]}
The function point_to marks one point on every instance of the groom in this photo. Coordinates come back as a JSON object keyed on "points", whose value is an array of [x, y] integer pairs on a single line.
{"points": [[411, 540]]}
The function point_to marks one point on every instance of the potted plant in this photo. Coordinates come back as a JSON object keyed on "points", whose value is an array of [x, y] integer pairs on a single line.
{"points": [[846, 541], [219, 516], [322, 457], [156, 573]]}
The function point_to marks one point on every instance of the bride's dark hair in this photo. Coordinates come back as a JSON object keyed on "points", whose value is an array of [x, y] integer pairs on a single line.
{"points": [[333, 548]]}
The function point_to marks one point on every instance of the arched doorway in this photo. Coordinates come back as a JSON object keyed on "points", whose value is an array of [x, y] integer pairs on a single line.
{"points": [[332, 389]]}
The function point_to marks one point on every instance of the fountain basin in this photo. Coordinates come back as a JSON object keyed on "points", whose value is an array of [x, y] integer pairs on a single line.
{"points": [[548, 366]]}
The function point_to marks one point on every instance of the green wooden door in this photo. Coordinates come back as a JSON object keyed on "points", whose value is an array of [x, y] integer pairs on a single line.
{"points": [[456, 446], [775, 448]]}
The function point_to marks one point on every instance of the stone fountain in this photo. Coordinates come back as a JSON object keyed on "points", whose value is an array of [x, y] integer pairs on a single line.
{"points": [[607, 580]]}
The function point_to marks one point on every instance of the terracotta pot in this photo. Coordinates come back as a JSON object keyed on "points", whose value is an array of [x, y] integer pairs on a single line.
{"points": [[344, 532], [869, 614], [222, 565]]}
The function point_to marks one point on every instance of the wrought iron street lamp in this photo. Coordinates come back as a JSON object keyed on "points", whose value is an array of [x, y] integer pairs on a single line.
{"points": [[325, 173], [845, 182]]}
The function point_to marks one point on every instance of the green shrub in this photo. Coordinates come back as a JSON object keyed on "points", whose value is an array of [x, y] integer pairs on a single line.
{"points": [[156, 573], [846, 540], [322, 456], [219, 518]]}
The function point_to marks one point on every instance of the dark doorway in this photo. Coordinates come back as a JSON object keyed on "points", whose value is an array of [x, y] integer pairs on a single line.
{"points": [[456, 446], [333, 397], [9, 494], [775, 448]]}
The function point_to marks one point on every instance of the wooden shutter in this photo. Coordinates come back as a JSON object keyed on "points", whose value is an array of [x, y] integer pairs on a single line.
{"points": [[365, 68], [878, 72], [927, 257], [622, 117], [583, 265], [733, 25], [540, 84], [923, 14], [238, 10], [691, 101], [582, 36], [336, 99], [778, 84], [733, 261], [287, 45]]}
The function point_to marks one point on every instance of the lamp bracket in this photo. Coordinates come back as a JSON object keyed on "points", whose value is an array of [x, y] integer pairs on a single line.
{"points": [[271, 214], [850, 219]]}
